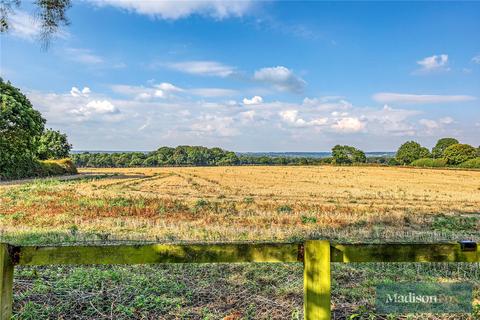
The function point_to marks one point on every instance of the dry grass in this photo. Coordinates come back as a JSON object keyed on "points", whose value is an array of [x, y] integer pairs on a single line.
{"points": [[247, 203]]}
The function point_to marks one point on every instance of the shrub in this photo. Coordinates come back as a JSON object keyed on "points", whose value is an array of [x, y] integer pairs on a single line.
{"points": [[458, 153], [393, 162], [429, 162], [472, 163], [411, 151]]}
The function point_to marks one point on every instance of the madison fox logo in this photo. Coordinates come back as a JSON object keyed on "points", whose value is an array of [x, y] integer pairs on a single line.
{"points": [[411, 297]]}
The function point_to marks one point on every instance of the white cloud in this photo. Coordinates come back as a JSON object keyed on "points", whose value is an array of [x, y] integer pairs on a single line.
{"points": [[95, 107], [83, 56], [204, 68], [86, 91], [254, 101], [212, 92], [476, 59], [75, 106], [291, 117], [214, 125], [281, 78], [430, 124], [434, 127], [173, 10], [165, 86], [75, 92], [163, 90], [167, 90], [433, 63], [327, 103], [248, 115], [389, 97], [24, 25], [389, 121], [348, 125]]}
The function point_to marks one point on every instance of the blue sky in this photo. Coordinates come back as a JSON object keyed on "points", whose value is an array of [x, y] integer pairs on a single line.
{"points": [[253, 76]]}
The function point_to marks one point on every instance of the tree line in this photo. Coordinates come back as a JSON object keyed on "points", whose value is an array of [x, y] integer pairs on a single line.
{"points": [[447, 152], [183, 156]]}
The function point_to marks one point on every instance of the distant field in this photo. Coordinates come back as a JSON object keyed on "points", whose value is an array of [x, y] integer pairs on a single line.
{"points": [[233, 203], [249, 203]]}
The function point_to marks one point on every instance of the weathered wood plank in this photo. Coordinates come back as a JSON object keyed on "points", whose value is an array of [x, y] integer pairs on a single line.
{"points": [[6, 282], [160, 253], [317, 280], [391, 252]]}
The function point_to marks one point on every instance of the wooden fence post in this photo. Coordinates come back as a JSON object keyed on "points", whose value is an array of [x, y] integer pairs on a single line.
{"points": [[317, 280], [6, 283]]}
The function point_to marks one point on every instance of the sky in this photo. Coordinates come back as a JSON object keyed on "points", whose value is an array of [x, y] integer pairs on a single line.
{"points": [[252, 75]]}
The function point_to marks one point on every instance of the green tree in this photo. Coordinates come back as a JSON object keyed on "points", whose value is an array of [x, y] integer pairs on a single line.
{"points": [[20, 129], [347, 155], [411, 151], [53, 145], [458, 153], [442, 144]]}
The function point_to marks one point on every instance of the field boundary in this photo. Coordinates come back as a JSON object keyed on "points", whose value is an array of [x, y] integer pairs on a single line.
{"points": [[316, 255]]}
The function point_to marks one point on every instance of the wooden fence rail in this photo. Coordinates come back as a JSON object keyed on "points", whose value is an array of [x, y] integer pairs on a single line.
{"points": [[315, 254]]}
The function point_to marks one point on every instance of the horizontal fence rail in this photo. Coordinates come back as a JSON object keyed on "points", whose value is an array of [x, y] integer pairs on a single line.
{"points": [[316, 256]]}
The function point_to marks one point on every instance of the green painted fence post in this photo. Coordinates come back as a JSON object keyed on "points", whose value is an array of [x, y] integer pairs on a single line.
{"points": [[317, 280], [6, 283]]}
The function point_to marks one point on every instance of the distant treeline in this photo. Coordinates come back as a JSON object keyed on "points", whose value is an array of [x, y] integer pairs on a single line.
{"points": [[447, 152], [196, 156]]}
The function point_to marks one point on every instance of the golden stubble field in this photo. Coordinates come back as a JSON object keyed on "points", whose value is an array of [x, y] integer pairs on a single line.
{"points": [[246, 203]]}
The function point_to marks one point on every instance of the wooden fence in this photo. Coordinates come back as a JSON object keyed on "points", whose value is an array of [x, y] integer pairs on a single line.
{"points": [[316, 256]]}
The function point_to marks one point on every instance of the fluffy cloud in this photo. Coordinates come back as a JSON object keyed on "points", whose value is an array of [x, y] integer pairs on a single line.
{"points": [[173, 10], [75, 92], [291, 117], [476, 59], [204, 68], [433, 63], [254, 101], [388, 97], [348, 125], [96, 106], [281, 78], [76, 106]]}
